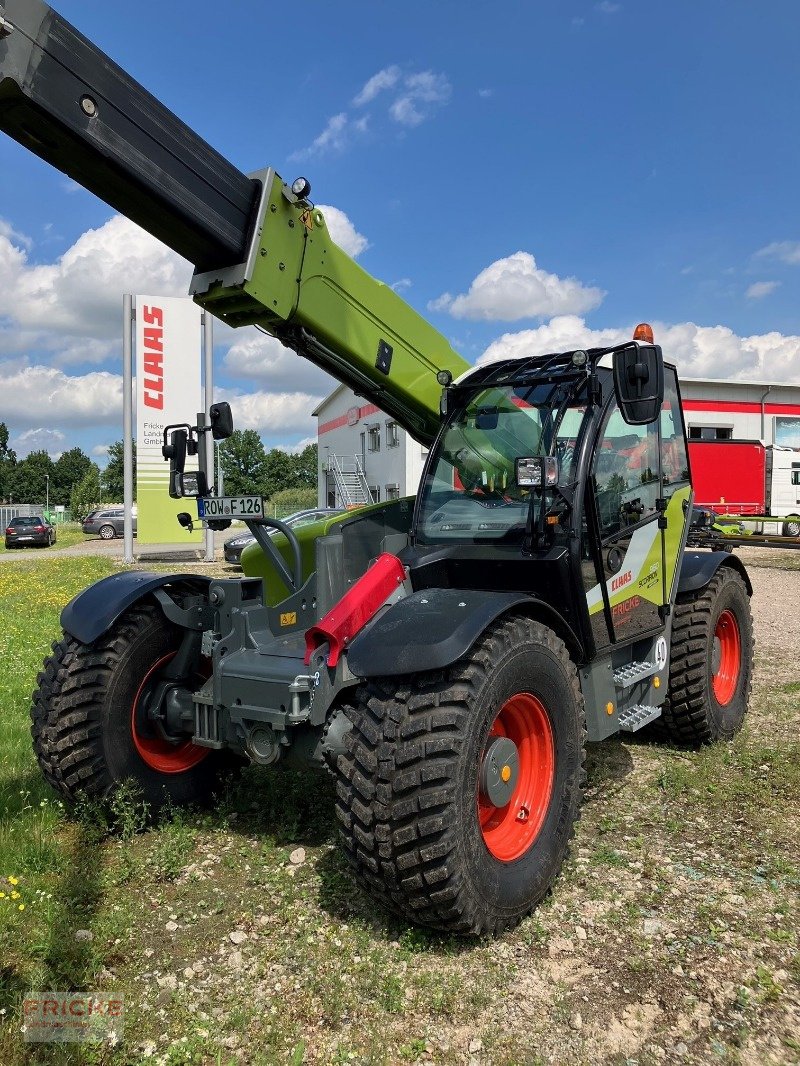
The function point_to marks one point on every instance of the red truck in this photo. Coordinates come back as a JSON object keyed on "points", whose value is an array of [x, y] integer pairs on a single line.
{"points": [[746, 477]]}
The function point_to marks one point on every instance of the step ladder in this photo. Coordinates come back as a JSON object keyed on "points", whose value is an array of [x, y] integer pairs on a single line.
{"points": [[637, 717]]}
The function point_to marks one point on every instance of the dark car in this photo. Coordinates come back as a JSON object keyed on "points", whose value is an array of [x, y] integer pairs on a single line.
{"points": [[107, 522], [29, 531], [234, 546]]}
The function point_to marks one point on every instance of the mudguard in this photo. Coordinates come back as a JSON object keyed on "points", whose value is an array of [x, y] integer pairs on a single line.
{"points": [[427, 630], [93, 611], [697, 569]]}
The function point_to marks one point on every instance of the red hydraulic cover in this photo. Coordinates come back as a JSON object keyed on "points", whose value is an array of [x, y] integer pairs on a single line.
{"points": [[355, 608], [729, 475]]}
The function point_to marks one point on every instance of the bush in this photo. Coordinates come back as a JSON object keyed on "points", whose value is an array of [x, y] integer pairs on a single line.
{"points": [[287, 501]]}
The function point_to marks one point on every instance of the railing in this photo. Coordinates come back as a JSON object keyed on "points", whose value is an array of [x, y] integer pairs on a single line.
{"points": [[350, 480]]}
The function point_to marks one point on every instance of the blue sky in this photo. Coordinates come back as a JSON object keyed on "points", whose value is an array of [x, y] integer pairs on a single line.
{"points": [[529, 175]]}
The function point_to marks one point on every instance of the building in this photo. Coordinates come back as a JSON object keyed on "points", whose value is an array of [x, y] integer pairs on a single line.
{"points": [[364, 455]]}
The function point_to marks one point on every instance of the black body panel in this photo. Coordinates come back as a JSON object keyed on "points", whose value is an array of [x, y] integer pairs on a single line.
{"points": [[545, 577], [67, 102], [96, 609], [427, 631]]}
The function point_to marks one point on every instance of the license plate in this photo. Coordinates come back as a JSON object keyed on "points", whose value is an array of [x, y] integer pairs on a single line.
{"points": [[24, 538], [231, 507]]}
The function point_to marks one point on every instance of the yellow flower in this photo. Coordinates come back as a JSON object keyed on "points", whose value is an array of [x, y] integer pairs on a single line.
{"points": [[15, 895], [2, 895], [21, 907], [13, 880]]}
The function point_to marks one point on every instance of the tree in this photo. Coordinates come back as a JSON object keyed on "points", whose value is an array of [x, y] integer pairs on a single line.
{"points": [[27, 481], [70, 469], [85, 494], [305, 466], [244, 463], [113, 477], [8, 460], [279, 472]]}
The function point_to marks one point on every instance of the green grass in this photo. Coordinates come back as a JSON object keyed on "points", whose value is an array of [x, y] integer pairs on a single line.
{"points": [[703, 843]]}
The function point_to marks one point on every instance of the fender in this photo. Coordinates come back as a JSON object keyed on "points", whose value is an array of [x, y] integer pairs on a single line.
{"points": [[697, 569], [430, 629], [92, 612]]}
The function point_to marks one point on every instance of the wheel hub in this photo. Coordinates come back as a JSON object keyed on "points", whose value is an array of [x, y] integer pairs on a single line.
{"points": [[499, 771]]}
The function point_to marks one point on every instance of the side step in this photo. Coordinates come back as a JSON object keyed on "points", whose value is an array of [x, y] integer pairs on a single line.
{"points": [[633, 718], [628, 675]]}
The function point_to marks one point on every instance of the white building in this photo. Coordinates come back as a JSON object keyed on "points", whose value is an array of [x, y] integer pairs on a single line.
{"points": [[364, 454]]}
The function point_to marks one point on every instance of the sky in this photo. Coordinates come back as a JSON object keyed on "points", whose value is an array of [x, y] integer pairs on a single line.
{"points": [[530, 176]]}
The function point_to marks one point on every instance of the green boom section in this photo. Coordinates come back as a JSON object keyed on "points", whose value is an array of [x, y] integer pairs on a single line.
{"points": [[300, 286]]}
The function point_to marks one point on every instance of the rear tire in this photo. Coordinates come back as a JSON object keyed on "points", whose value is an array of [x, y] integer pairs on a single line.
{"points": [[107, 532], [414, 820], [83, 713], [711, 663]]}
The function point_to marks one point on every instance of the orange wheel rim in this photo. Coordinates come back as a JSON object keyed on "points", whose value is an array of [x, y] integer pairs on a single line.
{"points": [[159, 754], [509, 831], [726, 677]]}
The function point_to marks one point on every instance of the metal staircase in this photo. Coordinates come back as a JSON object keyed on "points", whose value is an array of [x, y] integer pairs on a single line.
{"points": [[350, 480]]}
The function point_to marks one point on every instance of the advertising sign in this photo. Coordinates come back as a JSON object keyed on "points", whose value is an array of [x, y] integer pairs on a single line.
{"points": [[168, 338]]}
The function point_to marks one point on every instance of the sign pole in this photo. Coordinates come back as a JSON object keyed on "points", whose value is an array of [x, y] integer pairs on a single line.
{"points": [[127, 424], [208, 383]]}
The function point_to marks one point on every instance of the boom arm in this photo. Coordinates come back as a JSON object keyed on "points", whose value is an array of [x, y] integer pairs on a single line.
{"points": [[262, 256]]}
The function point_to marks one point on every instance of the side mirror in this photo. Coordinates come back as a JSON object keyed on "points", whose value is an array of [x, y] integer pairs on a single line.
{"points": [[176, 453], [221, 420], [639, 382]]}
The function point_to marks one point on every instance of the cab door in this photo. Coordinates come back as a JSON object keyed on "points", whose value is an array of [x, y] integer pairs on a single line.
{"points": [[626, 485]]}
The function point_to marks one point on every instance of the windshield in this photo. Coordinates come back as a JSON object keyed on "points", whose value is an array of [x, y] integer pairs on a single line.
{"points": [[471, 492]]}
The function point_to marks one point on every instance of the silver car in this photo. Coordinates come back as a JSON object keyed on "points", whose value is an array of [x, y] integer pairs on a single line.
{"points": [[106, 522]]}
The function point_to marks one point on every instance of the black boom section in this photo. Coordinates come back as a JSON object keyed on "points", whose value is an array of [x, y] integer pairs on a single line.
{"points": [[66, 101]]}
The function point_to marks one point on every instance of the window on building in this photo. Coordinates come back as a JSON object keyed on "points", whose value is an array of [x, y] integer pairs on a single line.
{"points": [[392, 492], [392, 434], [375, 493], [710, 432], [374, 438]]}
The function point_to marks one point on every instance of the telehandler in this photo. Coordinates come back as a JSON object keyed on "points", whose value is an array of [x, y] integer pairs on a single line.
{"points": [[447, 657]]}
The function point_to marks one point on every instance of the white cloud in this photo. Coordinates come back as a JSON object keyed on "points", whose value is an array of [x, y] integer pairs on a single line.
{"points": [[47, 394], [41, 439], [607, 7], [514, 288], [264, 359], [343, 232], [422, 94], [295, 449], [100, 451], [698, 351], [384, 79], [272, 412], [759, 289], [80, 295], [402, 284], [333, 138], [786, 251], [485, 93], [13, 235]]}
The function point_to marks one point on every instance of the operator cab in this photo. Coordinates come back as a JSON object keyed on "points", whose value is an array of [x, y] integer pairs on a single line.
{"points": [[578, 470]]}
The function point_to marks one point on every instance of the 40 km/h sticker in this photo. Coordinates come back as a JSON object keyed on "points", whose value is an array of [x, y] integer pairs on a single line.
{"points": [[231, 507]]}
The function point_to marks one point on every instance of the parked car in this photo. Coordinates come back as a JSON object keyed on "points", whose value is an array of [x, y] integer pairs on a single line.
{"points": [[29, 531], [235, 545], [107, 522]]}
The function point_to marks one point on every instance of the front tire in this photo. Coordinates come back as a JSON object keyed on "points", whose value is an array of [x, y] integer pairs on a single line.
{"points": [[792, 527], [86, 717], [107, 532], [416, 814], [711, 663]]}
